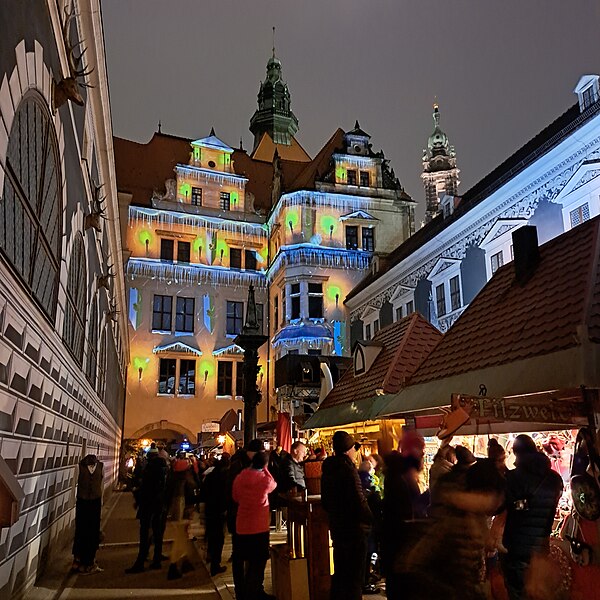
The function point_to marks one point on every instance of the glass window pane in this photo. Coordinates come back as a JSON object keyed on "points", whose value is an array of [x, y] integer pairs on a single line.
{"points": [[187, 376], [166, 377], [183, 252]]}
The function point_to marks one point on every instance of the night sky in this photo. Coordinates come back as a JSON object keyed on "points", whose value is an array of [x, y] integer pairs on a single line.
{"points": [[501, 70]]}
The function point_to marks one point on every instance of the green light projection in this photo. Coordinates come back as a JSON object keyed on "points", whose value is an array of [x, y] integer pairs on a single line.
{"points": [[145, 236], [328, 224], [222, 248], [333, 291], [197, 243], [185, 190], [140, 363], [292, 217], [340, 173], [234, 197], [207, 366]]}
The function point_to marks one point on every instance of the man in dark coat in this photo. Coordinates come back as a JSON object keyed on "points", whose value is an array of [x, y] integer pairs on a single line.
{"points": [[533, 490], [350, 518], [291, 476], [214, 491], [150, 501]]}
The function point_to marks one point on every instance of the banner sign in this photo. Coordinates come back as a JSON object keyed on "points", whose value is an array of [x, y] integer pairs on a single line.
{"points": [[211, 427], [559, 408]]}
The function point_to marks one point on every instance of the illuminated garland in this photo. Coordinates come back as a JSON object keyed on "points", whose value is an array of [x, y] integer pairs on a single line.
{"points": [[200, 173], [151, 268]]}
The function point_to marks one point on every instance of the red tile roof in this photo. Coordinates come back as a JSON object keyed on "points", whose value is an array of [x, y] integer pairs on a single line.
{"points": [[406, 344], [507, 322]]}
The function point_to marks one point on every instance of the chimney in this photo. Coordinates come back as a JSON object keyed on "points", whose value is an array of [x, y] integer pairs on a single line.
{"points": [[526, 252]]}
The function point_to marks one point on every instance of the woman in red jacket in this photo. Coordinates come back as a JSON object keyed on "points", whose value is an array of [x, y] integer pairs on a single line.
{"points": [[251, 541]]}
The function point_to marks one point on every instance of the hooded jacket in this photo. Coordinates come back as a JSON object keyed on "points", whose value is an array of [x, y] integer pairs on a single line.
{"points": [[250, 490], [342, 495], [534, 482]]}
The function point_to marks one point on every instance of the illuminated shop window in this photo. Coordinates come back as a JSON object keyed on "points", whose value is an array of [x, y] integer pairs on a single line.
{"points": [[365, 180], [351, 177], [225, 198], [497, 261], [580, 215], [235, 258], [315, 300], [229, 373], [91, 364], [184, 316], [455, 302], [235, 317], [30, 211], [351, 237], [368, 239], [440, 298], [75, 307], [197, 196], [250, 260], [295, 300], [161, 313]]}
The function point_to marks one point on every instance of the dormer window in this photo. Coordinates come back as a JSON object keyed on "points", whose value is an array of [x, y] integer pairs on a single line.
{"points": [[587, 91]]}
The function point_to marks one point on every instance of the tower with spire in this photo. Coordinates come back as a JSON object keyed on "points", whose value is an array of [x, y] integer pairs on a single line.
{"points": [[274, 115], [440, 173]]}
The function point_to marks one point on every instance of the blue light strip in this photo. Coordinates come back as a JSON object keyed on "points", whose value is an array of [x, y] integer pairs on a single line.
{"points": [[320, 256], [152, 268]]}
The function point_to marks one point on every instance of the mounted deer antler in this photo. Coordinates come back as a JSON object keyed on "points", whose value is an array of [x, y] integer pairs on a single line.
{"points": [[98, 209], [68, 87], [103, 281], [112, 311]]}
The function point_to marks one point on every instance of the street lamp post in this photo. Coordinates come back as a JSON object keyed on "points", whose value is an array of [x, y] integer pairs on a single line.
{"points": [[251, 339]]}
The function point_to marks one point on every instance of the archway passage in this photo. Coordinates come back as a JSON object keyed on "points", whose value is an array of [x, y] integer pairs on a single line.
{"points": [[164, 431], [165, 435]]}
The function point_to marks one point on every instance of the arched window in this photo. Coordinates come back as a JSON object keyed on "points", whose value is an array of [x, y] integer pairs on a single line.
{"points": [[92, 351], [30, 207], [74, 326]]}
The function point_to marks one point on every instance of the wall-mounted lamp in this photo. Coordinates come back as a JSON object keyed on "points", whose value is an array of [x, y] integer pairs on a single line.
{"points": [[337, 299], [291, 227], [221, 254], [147, 247], [205, 376], [140, 371], [330, 231]]}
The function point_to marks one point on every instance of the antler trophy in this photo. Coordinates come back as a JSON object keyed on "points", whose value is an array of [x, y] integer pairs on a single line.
{"points": [[68, 87], [98, 210]]}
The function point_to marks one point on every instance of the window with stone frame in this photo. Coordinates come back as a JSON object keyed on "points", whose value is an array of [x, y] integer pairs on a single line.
{"points": [[235, 258], [365, 179], [91, 365], [295, 301], [250, 260], [398, 313], [239, 378], [440, 298], [455, 302], [368, 239], [235, 317], [410, 307], [315, 300], [580, 214], [31, 206], [75, 304], [225, 378], [225, 200], [368, 331], [351, 177], [351, 237], [167, 249], [496, 261], [197, 196], [183, 251], [162, 310], [184, 315], [187, 377], [166, 375]]}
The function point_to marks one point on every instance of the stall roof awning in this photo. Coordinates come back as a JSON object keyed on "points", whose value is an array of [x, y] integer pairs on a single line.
{"points": [[517, 338], [344, 414]]}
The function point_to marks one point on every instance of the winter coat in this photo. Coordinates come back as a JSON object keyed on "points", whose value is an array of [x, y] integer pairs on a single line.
{"points": [[533, 481], [214, 490], [342, 496], [250, 491], [150, 496], [291, 475], [440, 467], [89, 485]]}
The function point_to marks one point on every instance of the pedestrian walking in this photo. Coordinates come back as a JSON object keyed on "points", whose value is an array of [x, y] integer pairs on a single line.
{"points": [[251, 489], [150, 503], [349, 515], [532, 493], [87, 515]]}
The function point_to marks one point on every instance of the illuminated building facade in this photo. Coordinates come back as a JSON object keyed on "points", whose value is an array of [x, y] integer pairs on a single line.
{"points": [[552, 182], [303, 231], [63, 332]]}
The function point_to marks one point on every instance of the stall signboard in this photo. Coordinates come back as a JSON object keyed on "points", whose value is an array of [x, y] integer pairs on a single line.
{"points": [[211, 427], [564, 407]]}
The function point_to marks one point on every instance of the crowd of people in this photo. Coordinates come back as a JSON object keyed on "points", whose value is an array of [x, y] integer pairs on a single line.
{"points": [[474, 517], [442, 542]]}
